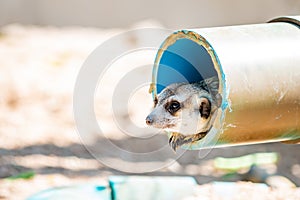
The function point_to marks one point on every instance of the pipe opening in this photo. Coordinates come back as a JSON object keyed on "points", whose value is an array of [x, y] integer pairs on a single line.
{"points": [[187, 57], [184, 61]]}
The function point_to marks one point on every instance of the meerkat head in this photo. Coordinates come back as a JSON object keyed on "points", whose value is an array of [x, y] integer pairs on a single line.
{"points": [[183, 108]]}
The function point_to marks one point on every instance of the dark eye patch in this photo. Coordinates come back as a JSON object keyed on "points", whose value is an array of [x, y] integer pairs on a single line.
{"points": [[155, 101], [172, 106]]}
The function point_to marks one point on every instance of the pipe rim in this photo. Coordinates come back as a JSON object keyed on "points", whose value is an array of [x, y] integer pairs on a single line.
{"points": [[223, 89], [295, 20]]}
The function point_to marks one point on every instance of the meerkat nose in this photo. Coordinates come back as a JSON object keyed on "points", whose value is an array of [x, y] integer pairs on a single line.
{"points": [[149, 120]]}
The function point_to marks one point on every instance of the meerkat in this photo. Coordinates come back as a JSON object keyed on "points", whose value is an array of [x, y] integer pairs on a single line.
{"points": [[187, 110]]}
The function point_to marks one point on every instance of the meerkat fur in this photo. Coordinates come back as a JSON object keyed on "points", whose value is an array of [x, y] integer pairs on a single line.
{"points": [[187, 110]]}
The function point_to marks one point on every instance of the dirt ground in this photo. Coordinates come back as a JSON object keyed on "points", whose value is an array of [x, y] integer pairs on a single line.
{"points": [[38, 70]]}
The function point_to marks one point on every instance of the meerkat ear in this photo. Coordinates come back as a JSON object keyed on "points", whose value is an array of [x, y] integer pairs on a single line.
{"points": [[204, 108]]}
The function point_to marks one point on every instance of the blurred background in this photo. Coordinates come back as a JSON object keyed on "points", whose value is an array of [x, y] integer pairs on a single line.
{"points": [[44, 43], [117, 14]]}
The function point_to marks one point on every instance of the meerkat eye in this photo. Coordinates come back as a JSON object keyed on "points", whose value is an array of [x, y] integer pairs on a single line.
{"points": [[173, 106]]}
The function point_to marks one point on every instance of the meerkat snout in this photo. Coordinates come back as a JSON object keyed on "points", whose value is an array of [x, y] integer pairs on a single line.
{"points": [[187, 110], [149, 120]]}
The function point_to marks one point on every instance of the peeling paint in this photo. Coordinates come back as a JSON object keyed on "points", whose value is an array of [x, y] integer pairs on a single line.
{"points": [[231, 126]]}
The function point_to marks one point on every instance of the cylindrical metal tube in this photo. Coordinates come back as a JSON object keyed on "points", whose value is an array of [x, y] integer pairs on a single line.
{"points": [[258, 67]]}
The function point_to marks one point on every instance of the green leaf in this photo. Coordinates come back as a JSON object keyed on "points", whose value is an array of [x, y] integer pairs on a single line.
{"points": [[22, 175]]}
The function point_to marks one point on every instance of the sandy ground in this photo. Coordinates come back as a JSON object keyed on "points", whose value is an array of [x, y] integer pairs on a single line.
{"points": [[38, 70]]}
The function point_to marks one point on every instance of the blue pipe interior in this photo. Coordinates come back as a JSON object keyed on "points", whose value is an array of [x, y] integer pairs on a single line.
{"points": [[184, 61]]}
